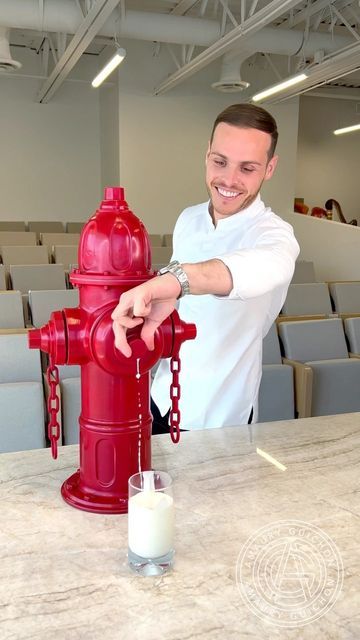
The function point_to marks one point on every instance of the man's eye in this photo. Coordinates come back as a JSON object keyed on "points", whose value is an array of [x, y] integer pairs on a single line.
{"points": [[219, 163], [248, 169]]}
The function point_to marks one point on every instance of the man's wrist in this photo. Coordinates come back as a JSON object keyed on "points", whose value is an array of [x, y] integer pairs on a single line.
{"points": [[176, 270]]}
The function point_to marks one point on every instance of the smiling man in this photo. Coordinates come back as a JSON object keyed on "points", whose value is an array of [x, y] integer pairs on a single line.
{"points": [[233, 260]]}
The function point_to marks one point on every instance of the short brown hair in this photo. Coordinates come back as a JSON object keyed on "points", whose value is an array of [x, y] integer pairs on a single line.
{"points": [[249, 116]]}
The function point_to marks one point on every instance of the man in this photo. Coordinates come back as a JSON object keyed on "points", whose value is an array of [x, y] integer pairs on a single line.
{"points": [[236, 260]]}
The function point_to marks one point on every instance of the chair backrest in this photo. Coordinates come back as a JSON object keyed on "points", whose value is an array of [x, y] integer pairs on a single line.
{"points": [[308, 340], [271, 347], [352, 331], [17, 238], [161, 255], [168, 240], [2, 278], [43, 303], [304, 272], [51, 239], [65, 254], [346, 296], [11, 310], [24, 254], [37, 277], [22, 421], [74, 227], [46, 226], [155, 239], [307, 299], [18, 362], [12, 225]]}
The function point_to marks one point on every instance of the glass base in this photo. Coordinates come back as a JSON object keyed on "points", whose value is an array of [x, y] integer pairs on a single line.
{"points": [[150, 566]]}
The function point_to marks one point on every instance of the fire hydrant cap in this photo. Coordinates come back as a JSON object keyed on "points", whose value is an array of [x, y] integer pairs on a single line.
{"points": [[114, 193]]}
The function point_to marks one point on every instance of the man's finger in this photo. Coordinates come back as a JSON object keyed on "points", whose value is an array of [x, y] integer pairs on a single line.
{"points": [[148, 333], [121, 342]]}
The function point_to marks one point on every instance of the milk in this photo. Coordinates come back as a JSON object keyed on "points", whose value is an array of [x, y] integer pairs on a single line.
{"points": [[151, 524]]}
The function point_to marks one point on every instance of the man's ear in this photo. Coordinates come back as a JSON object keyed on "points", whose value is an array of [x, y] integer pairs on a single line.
{"points": [[271, 167]]}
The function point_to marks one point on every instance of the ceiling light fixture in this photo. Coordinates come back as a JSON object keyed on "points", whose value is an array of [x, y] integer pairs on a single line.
{"points": [[280, 86], [354, 127], [109, 67]]}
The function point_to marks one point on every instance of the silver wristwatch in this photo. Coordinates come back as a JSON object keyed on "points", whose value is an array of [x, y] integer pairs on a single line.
{"points": [[176, 269]]}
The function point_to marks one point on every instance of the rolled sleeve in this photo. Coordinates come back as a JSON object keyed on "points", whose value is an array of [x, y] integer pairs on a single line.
{"points": [[268, 265]]}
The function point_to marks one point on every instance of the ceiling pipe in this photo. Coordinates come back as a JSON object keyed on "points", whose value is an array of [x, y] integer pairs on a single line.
{"points": [[64, 16], [273, 41]]}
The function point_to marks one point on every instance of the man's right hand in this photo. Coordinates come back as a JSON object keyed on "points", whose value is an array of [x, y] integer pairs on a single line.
{"points": [[147, 304]]}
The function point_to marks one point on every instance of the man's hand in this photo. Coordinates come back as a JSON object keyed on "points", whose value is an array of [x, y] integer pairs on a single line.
{"points": [[148, 304]]}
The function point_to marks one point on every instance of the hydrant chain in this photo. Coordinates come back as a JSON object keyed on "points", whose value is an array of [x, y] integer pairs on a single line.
{"points": [[53, 405]]}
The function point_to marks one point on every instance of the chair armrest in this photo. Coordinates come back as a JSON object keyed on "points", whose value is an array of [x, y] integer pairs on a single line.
{"points": [[284, 318], [303, 377], [354, 355]]}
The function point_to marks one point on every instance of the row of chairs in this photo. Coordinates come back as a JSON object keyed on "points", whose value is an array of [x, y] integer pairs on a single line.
{"points": [[31, 238], [310, 368], [322, 299], [41, 226]]}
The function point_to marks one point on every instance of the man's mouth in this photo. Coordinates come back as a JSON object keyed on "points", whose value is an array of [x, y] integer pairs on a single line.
{"points": [[224, 193]]}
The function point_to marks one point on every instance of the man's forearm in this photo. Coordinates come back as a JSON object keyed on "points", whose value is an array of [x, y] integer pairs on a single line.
{"points": [[211, 276]]}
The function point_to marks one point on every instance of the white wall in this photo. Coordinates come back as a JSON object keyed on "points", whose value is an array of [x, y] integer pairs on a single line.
{"points": [[328, 165], [332, 246], [163, 139], [50, 157]]}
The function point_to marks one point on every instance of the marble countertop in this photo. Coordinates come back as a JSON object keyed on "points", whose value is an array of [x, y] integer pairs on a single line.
{"points": [[64, 574]]}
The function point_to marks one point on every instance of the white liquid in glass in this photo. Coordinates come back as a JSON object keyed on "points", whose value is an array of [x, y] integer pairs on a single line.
{"points": [[151, 524]]}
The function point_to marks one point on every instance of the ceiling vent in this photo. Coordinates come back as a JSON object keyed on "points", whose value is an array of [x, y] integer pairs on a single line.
{"points": [[230, 80], [6, 61]]}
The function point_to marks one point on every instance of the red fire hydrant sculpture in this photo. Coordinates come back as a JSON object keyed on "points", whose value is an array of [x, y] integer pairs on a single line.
{"points": [[115, 420]]}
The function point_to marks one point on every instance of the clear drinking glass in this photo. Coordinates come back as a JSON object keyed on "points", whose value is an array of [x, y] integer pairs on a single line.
{"points": [[151, 520]]}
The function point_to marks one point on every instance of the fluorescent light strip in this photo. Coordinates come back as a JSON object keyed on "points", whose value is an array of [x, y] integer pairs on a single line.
{"points": [[269, 458], [277, 88], [109, 67], [355, 127]]}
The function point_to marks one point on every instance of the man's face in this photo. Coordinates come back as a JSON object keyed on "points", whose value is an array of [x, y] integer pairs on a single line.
{"points": [[237, 164]]}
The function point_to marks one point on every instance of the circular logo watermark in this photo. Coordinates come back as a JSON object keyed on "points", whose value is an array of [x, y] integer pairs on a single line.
{"points": [[289, 573]]}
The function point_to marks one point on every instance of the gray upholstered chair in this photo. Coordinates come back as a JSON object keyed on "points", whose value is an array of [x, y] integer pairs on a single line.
{"points": [[155, 239], [321, 345], [65, 255], [37, 277], [28, 254], [346, 296], [12, 225], [46, 226], [304, 272], [52, 239], [11, 310], [161, 255], [310, 298], [43, 303], [74, 227], [2, 278], [276, 393], [352, 332], [22, 418], [18, 238], [168, 240]]}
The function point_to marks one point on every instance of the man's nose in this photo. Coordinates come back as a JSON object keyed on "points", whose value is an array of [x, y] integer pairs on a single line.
{"points": [[230, 176]]}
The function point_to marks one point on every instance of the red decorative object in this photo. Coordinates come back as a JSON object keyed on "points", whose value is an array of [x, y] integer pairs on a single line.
{"points": [[115, 420]]}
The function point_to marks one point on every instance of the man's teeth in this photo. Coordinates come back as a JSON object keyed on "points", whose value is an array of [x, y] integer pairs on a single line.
{"points": [[227, 194]]}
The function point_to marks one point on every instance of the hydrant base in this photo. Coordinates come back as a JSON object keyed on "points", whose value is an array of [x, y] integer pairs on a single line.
{"points": [[74, 495]]}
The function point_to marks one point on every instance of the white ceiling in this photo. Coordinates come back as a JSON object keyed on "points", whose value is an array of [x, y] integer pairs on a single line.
{"points": [[330, 17]]}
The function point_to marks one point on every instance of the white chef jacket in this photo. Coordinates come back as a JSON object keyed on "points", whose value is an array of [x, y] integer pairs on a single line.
{"points": [[221, 369]]}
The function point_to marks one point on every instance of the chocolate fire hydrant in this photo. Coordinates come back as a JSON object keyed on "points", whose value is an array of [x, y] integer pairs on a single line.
{"points": [[115, 420]]}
